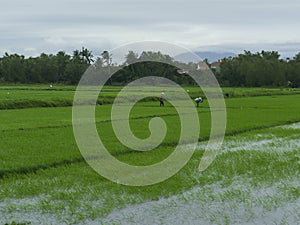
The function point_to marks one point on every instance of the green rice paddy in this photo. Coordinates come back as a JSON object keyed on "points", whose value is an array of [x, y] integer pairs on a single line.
{"points": [[254, 179]]}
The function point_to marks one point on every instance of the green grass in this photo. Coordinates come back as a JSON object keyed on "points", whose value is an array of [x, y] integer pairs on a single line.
{"points": [[31, 137], [92, 196], [39, 157]]}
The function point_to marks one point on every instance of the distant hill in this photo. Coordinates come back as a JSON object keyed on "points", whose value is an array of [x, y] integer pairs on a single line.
{"points": [[211, 56]]}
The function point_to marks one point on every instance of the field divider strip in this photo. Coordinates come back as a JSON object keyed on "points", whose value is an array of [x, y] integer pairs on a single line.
{"points": [[97, 122], [37, 103]]}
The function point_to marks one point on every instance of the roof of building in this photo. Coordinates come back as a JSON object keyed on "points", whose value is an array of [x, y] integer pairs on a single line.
{"points": [[215, 64], [182, 71]]}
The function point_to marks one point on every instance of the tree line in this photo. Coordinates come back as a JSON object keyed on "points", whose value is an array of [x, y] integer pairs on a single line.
{"points": [[261, 69], [247, 69], [46, 68]]}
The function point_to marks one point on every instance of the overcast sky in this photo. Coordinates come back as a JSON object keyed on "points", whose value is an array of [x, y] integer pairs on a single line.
{"points": [[30, 27]]}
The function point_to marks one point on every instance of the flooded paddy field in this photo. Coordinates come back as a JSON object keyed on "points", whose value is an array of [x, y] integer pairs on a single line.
{"points": [[255, 178]]}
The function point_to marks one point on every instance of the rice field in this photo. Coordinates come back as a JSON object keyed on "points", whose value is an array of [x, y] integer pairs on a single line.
{"points": [[253, 180]]}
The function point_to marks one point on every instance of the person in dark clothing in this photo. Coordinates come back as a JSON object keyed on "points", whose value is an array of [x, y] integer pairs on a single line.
{"points": [[198, 100], [162, 99]]}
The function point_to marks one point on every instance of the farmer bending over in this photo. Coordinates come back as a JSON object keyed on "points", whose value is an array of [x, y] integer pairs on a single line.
{"points": [[198, 100]]}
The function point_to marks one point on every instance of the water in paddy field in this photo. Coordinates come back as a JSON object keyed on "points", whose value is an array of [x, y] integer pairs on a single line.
{"points": [[193, 206], [237, 203], [211, 205]]}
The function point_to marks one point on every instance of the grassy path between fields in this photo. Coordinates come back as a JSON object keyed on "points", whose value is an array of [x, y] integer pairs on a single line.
{"points": [[36, 97]]}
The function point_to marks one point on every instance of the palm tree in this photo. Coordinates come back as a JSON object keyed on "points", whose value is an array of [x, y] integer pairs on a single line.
{"points": [[86, 55]]}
